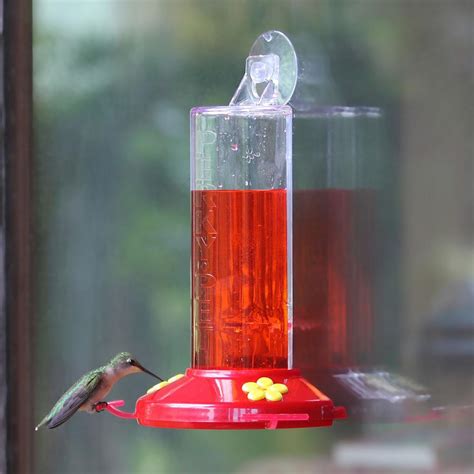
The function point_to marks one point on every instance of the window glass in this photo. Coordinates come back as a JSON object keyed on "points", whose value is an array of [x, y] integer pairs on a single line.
{"points": [[113, 85]]}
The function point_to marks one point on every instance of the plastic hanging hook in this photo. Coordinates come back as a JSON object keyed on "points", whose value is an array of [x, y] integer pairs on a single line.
{"points": [[271, 72], [259, 86]]}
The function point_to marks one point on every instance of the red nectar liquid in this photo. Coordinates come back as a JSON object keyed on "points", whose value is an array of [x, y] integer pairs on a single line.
{"points": [[239, 279]]}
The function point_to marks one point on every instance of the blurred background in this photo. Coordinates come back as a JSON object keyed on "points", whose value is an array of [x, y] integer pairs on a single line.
{"points": [[113, 84]]}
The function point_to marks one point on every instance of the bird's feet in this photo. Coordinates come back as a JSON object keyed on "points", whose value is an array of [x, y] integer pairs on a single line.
{"points": [[100, 406]]}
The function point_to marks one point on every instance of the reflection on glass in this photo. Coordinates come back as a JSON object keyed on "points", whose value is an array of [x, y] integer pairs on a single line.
{"points": [[336, 237]]}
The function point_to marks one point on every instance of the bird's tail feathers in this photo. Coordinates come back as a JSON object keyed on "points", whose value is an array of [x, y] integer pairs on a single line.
{"points": [[42, 423]]}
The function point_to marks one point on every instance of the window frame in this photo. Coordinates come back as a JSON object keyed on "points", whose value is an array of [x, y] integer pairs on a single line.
{"points": [[16, 162]]}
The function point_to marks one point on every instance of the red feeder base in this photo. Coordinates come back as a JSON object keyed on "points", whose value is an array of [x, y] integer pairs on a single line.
{"points": [[213, 399]]}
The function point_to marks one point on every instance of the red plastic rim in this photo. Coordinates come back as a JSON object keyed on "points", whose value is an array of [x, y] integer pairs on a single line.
{"points": [[213, 399]]}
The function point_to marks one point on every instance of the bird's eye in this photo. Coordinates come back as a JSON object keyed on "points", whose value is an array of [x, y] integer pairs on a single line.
{"points": [[129, 361]]}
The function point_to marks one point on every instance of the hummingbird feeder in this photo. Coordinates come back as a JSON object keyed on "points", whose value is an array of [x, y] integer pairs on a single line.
{"points": [[242, 374]]}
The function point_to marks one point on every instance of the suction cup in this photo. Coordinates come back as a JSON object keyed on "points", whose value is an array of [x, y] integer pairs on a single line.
{"points": [[271, 72], [277, 43]]}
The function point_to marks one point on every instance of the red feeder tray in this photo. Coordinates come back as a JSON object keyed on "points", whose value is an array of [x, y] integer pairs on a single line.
{"points": [[214, 399]]}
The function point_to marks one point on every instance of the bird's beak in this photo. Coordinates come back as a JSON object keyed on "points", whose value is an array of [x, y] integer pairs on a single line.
{"points": [[147, 371]]}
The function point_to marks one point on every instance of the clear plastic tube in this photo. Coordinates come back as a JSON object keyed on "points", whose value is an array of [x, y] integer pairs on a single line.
{"points": [[241, 267]]}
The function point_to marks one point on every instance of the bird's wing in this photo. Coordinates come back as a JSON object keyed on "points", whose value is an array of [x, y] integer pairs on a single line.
{"points": [[72, 400]]}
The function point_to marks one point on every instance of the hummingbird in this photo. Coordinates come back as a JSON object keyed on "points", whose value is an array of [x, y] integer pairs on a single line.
{"points": [[88, 393]]}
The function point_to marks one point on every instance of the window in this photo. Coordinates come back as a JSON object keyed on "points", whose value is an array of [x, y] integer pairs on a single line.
{"points": [[97, 217]]}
